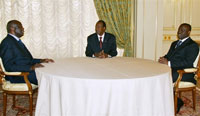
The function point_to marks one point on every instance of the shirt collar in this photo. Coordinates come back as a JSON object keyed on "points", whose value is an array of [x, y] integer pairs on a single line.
{"points": [[101, 36], [182, 40], [14, 36]]}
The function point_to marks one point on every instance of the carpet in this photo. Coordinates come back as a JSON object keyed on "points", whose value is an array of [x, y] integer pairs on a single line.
{"points": [[22, 100], [186, 110]]}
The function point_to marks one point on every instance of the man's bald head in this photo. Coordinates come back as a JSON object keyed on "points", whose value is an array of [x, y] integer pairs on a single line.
{"points": [[11, 24], [15, 27]]}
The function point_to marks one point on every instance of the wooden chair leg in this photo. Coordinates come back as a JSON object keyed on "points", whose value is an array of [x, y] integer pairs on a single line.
{"points": [[175, 102], [180, 94], [31, 104], [4, 103], [14, 102], [194, 98]]}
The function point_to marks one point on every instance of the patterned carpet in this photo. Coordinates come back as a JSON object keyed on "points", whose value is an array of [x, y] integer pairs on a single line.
{"points": [[22, 101], [186, 110]]}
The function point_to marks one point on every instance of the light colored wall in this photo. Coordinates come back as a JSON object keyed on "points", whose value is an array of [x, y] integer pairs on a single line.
{"points": [[149, 26], [157, 22], [177, 12]]}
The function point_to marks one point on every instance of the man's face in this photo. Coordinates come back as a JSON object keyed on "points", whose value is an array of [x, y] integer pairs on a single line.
{"points": [[100, 29], [18, 29], [183, 32]]}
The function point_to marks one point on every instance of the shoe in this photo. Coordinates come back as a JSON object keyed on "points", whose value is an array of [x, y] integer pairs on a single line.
{"points": [[180, 103]]}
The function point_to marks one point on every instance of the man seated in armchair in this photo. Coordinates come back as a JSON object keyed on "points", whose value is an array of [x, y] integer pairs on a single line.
{"points": [[16, 57], [181, 54]]}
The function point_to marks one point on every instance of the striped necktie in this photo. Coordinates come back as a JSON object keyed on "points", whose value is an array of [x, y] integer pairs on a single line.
{"points": [[100, 42], [178, 43]]}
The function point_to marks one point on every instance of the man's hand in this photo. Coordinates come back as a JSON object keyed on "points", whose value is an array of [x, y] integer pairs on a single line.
{"points": [[101, 55], [97, 54], [46, 60], [104, 55], [36, 66], [163, 60]]}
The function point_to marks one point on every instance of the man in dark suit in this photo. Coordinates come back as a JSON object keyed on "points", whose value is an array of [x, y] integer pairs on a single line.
{"points": [[182, 54], [101, 44], [15, 55]]}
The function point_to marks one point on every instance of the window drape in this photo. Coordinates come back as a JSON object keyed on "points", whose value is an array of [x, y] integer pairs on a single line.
{"points": [[53, 28]]}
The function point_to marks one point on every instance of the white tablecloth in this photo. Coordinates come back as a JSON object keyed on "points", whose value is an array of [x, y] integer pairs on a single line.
{"points": [[104, 87]]}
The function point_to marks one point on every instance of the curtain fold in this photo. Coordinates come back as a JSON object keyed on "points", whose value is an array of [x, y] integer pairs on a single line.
{"points": [[118, 16]]}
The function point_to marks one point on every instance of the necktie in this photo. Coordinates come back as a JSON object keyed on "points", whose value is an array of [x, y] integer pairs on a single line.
{"points": [[100, 42], [178, 43], [21, 43]]}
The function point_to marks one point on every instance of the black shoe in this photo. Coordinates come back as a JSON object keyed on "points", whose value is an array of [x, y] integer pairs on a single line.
{"points": [[179, 104]]}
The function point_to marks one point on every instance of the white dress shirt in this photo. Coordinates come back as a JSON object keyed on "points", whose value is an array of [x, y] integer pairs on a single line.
{"points": [[101, 36], [14, 36]]}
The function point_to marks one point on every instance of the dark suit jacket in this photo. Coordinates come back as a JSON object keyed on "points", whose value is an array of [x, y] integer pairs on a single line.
{"points": [[16, 57], [183, 57], [109, 45]]}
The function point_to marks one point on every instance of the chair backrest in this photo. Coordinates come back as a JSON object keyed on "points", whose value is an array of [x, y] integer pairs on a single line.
{"points": [[1, 66], [196, 60], [198, 68], [2, 70]]}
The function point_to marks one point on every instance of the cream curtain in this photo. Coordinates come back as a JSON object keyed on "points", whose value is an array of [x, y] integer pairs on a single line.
{"points": [[118, 14], [53, 28]]}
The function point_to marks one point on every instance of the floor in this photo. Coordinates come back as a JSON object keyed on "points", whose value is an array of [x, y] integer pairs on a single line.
{"points": [[186, 110]]}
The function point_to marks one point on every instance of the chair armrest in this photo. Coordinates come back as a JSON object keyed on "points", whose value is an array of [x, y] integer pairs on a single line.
{"points": [[187, 70], [190, 70], [181, 72], [13, 73], [16, 73], [24, 74]]}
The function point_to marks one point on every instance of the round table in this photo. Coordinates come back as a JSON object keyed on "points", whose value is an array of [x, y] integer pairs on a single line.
{"points": [[118, 86]]}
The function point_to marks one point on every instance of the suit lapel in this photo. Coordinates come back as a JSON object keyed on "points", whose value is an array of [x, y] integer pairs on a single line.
{"points": [[16, 42], [28, 51], [185, 43], [105, 38], [22, 48], [96, 41], [105, 41]]}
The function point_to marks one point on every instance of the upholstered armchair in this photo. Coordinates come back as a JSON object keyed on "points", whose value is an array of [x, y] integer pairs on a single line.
{"points": [[180, 86], [16, 89]]}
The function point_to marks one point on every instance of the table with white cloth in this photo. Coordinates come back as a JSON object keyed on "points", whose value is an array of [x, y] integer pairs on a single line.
{"points": [[118, 86]]}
